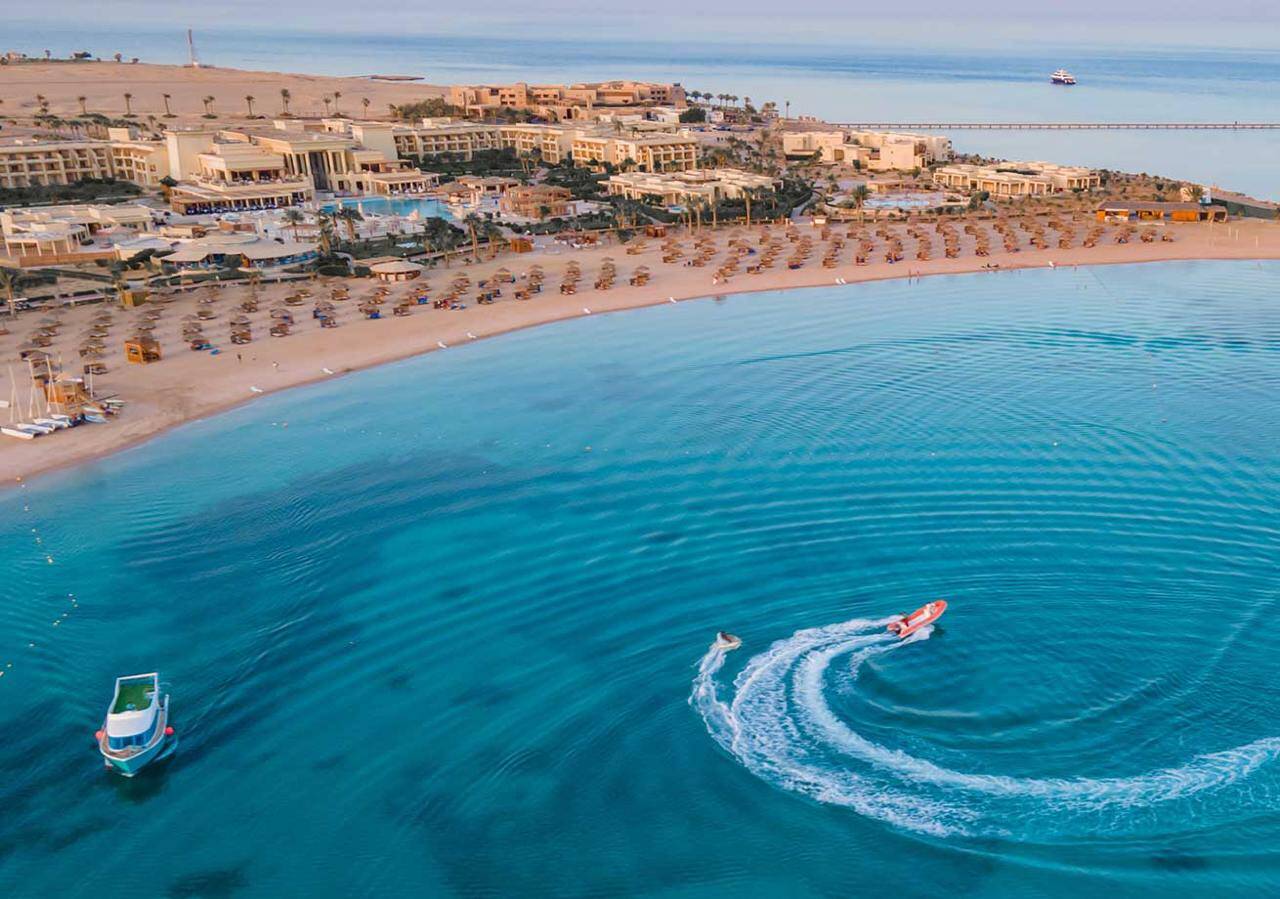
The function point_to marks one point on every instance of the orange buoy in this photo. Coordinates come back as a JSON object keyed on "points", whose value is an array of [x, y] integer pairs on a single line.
{"points": [[168, 731], [98, 735]]}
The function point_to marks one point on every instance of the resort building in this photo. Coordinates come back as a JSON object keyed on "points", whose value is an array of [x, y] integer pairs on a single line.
{"points": [[562, 102], [698, 185], [877, 151], [654, 150], [1017, 179], [334, 161], [43, 231], [228, 170], [892, 151], [26, 162], [830, 146], [245, 251], [439, 137], [217, 175], [1140, 211], [552, 144], [33, 163], [143, 162], [537, 201], [646, 152]]}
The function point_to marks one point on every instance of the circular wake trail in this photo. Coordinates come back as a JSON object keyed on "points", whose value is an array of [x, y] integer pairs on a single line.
{"points": [[777, 722]]}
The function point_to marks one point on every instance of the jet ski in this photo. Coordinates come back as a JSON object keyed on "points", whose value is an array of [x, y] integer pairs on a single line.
{"points": [[906, 625], [726, 641]]}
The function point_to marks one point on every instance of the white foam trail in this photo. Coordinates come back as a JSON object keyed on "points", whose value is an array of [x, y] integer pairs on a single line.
{"points": [[779, 725]]}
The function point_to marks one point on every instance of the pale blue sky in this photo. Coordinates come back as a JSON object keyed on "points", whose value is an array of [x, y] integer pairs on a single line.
{"points": [[1237, 23]]}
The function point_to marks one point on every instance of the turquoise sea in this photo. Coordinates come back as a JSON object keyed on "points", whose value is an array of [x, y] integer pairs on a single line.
{"points": [[441, 628]]}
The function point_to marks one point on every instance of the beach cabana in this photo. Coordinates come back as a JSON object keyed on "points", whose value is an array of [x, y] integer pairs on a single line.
{"points": [[142, 350], [1144, 211], [397, 270]]}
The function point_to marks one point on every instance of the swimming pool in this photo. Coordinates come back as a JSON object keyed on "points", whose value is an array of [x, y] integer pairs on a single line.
{"points": [[404, 206], [906, 200]]}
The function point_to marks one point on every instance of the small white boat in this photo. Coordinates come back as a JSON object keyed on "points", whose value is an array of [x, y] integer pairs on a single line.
{"points": [[136, 731], [1062, 76], [38, 430], [13, 431], [54, 423]]}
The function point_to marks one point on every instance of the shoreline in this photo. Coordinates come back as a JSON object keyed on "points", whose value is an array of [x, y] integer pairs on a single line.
{"points": [[191, 393]]}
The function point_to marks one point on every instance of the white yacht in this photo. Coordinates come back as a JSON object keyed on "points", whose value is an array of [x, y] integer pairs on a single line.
{"points": [[137, 729], [1062, 76]]}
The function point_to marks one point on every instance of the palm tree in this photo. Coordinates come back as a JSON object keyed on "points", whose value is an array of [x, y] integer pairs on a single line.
{"points": [[128, 104], [327, 241], [327, 101], [9, 281], [167, 98], [364, 101], [82, 100], [349, 216], [285, 97], [294, 218], [472, 221], [788, 112], [208, 106], [248, 101], [337, 95], [860, 194]]}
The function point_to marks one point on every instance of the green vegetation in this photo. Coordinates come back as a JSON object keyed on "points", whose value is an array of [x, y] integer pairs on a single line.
{"points": [[432, 235], [594, 221], [693, 114], [583, 183], [133, 693], [90, 190], [435, 107], [505, 162]]}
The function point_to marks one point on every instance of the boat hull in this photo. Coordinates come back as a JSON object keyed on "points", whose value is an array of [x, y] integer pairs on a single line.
{"points": [[131, 765], [920, 618]]}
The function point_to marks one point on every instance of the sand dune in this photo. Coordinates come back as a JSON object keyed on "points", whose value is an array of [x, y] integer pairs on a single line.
{"points": [[104, 84]]}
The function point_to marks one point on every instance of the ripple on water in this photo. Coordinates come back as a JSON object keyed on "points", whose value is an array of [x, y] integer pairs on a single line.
{"points": [[438, 632]]}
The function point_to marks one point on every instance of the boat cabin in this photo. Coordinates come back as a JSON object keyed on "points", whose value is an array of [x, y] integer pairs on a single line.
{"points": [[133, 718]]}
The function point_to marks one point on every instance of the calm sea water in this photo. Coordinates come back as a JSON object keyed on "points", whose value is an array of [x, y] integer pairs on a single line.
{"points": [[843, 72], [441, 628]]}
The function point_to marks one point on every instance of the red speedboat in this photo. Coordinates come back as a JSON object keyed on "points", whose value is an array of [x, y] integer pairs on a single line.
{"points": [[926, 614]]}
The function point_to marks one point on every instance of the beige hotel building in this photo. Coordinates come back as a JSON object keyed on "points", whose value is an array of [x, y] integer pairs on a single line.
{"points": [[1017, 179]]}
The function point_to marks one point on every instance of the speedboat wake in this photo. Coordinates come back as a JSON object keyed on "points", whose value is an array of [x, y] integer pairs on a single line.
{"points": [[776, 721]]}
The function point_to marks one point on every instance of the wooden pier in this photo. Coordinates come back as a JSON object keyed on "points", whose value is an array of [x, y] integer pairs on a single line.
{"points": [[1060, 126]]}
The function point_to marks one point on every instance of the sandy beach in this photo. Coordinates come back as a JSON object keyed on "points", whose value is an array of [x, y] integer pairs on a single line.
{"points": [[188, 385], [104, 84]]}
